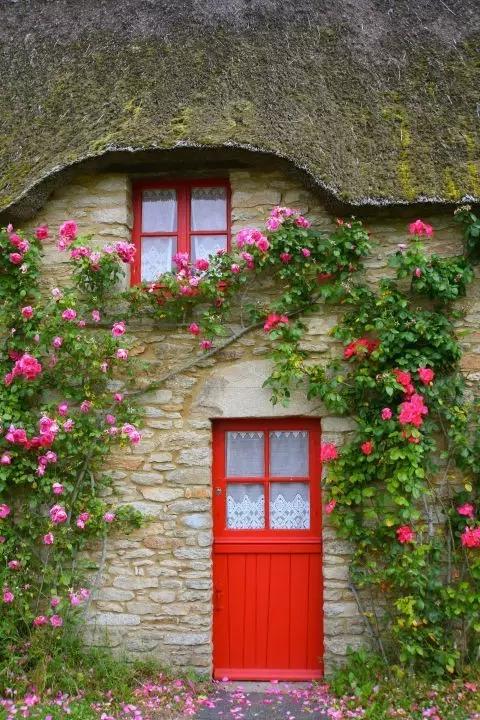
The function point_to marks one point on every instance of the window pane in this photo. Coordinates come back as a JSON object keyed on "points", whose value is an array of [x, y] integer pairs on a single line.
{"points": [[245, 506], [157, 253], [159, 210], [289, 506], [245, 454], [205, 245], [289, 453], [209, 208]]}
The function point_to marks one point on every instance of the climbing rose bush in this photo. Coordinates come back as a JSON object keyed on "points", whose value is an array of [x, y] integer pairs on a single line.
{"points": [[59, 420]]}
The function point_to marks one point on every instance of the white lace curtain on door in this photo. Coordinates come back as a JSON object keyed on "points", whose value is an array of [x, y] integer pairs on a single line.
{"points": [[245, 506], [289, 506]]}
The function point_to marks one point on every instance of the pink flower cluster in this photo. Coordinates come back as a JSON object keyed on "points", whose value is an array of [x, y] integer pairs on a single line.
{"points": [[21, 246], [76, 598], [125, 251], [252, 236], [48, 430], [26, 366], [412, 411], [273, 321], [132, 433], [278, 215], [420, 228], [361, 347], [67, 233]]}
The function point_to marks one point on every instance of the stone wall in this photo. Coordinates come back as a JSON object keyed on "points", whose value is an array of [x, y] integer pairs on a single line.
{"points": [[155, 594]]}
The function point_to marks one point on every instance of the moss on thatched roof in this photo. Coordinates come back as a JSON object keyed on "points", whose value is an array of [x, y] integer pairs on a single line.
{"points": [[377, 100]]}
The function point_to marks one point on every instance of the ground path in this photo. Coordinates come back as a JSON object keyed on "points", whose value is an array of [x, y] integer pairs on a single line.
{"points": [[264, 701]]}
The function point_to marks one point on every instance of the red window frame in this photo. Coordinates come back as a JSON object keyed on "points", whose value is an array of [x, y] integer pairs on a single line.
{"points": [[220, 480], [184, 231]]}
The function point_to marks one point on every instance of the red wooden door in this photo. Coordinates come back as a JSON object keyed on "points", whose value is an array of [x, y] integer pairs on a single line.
{"points": [[267, 570]]}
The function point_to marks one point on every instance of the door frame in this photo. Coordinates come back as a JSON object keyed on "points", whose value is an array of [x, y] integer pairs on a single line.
{"points": [[234, 541]]}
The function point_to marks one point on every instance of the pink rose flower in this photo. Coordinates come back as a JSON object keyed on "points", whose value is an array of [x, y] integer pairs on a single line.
{"points": [[6, 459], [194, 329], [426, 375], [418, 272], [386, 414], [235, 268], [81, 323], [74, 599], [330, 507], [118, 397], [56, 621], [471, 537], [202, 265], [302, 222], [57, 488], [206, 344], [306, 252], [13, 565], [8, 596], [274, 320], [467, 510], [122, 354], [57, 342], [48, 538], [131, 432], [27, 366], [405, 534], [109, 517], [5, 511], [62, 409], [57, 293], [15, 258], [27, 312], [285, 258], [82, 519], [95, 316], [68, 425], [69, 314], [412, 411], [125, 251], [110, 419], [367, 447], [118, 329], [40, 620], [85, 406], [328, 452], [420, 228], [41, 232], [58, 514], [54, 602], [262, 244], [68, 231], [273, 223]]}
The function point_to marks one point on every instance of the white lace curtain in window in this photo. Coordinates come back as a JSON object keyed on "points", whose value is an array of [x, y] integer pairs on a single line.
{"points": [[289, 506], [289, 453], [245, 506]]}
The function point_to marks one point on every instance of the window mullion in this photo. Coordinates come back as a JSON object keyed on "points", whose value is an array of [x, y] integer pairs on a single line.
{"points": [[183, 219]]}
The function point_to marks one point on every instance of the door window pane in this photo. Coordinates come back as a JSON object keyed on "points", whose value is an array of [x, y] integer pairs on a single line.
{"points": [[205, 245], [157, 253], [159, 210], [289, 506], [289, 453], [245, 454], [209, 208], [245, 506]]}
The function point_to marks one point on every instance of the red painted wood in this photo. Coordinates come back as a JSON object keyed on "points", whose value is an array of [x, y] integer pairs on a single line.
{"points": [[183, 234], [271, 626]]}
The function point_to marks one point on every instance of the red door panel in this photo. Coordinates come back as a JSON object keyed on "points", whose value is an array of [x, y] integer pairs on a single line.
{"points": [[268, 598]]}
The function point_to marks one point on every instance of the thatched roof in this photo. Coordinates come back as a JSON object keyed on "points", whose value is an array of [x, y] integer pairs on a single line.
{"points": [[377, 100]]}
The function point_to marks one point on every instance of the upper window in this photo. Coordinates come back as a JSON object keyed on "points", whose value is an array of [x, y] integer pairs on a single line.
{"points": [[181, 216]]}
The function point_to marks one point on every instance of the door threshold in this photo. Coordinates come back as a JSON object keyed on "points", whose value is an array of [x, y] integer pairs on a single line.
{"points": [[258, 674]]}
